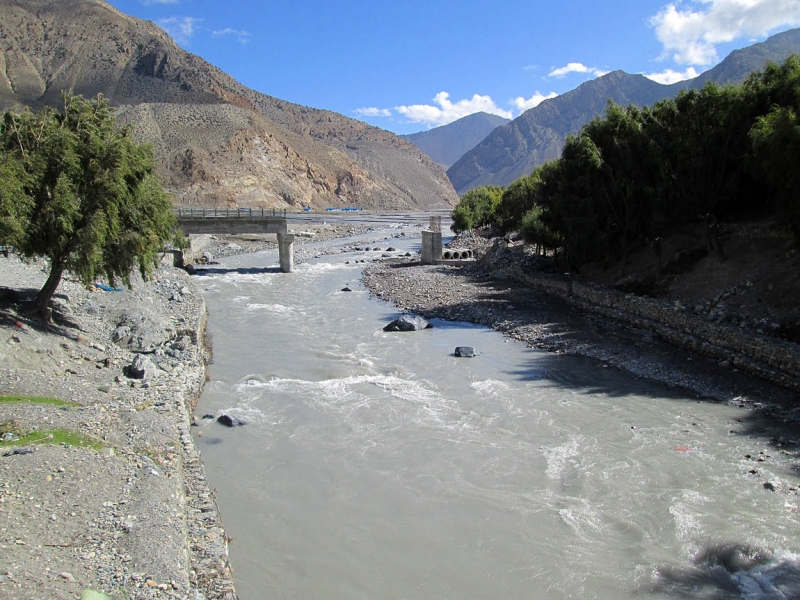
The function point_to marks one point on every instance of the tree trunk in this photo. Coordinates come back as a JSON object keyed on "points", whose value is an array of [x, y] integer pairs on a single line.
{"points": [[46, 293], [655, 245]]}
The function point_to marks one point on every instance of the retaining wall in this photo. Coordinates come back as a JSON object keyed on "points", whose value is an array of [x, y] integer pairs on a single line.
{"points": [[772, 359]]}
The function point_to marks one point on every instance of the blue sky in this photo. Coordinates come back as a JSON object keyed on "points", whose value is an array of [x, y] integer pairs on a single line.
{"points": [[409, 65]]}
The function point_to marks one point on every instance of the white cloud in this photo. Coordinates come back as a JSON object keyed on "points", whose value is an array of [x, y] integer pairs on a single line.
{"points": [[447, 111], [691, 32], [181, 29], [373, 112], [241, 35], [522, 104], [576, 67], [669, 76]]}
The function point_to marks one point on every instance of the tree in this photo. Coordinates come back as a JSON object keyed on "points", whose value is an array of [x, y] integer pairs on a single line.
{"points": [[477, 208], [776, 143], [89, 201]]}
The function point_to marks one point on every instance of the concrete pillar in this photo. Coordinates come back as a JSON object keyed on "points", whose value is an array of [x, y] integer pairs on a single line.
{"points": [[286, 251], [431, 247]]}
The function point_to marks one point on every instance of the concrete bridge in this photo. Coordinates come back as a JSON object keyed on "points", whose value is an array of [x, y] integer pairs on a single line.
{"points": [[241, 220]]}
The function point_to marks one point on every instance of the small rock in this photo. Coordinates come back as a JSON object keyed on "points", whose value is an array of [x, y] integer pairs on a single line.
{"points": [[67, 576]]}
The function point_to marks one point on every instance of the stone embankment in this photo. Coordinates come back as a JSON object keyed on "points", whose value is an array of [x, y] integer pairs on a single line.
{"points": [[767, 357], [124, 508]]}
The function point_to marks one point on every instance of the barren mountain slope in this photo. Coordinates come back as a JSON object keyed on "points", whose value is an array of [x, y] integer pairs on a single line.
{"points": [[217, 142]]}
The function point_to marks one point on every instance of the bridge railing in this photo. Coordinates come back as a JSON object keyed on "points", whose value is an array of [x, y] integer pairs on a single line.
{"points": [[228, 213]]}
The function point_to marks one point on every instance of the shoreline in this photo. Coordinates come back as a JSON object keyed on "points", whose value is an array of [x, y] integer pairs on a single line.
{"points": [[467, 293], [133, 517]]}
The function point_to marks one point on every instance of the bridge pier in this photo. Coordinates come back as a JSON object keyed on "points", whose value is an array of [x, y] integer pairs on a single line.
{"points": [[286, 251]]}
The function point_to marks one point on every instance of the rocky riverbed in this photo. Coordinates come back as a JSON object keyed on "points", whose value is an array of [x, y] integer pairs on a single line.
{"points": [[480, 293], [122, 506]]}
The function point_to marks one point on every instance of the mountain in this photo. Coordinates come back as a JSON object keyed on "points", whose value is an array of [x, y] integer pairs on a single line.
{"points": [[538, 135], [448, 143], [217, 143]]}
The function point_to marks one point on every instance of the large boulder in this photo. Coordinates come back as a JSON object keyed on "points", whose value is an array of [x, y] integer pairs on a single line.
{"points": [[142, 368], [408, 323], [229, 421], [466, 351]]}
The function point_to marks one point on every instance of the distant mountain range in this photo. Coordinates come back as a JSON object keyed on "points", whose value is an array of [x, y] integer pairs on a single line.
{"points": [[446, 144], [538, 135], [217, 143]]}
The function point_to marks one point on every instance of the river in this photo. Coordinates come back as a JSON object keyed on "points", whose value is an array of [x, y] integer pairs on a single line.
{"points": [[379, 465]]}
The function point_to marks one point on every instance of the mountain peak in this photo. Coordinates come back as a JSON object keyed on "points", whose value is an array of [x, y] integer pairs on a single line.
{"points": [[448, 143]]}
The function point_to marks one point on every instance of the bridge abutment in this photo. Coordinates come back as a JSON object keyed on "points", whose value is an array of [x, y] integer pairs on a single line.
{"points": [[286, 251]]}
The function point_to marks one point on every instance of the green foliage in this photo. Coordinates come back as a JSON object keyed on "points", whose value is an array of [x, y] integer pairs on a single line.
{"points": [[89, 200], [52, 436], [35, 400], [518, 198], [16, 206], [634, 174], [776, 142], [477, 208]]}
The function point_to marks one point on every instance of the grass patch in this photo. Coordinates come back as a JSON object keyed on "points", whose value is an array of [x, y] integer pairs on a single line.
{"points": [[35, 400], [19, 437]]}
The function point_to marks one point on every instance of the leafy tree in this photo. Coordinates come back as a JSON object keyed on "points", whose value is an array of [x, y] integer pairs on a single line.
{"points": [[776, 141], [16, 206], [518, 199], [477, 208], [89, 200]]}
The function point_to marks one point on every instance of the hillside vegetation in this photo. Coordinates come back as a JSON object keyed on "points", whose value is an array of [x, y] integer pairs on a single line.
{"points": [[710, 176]]}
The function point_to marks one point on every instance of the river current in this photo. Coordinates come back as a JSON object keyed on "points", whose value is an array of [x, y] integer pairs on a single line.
{"points": [[378, 465]]}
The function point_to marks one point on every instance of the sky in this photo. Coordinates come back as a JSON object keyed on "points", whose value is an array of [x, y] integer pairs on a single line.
{"points": [[411, 65]]}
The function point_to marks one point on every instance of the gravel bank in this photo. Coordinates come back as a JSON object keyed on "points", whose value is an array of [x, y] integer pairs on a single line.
{"points": [[131, 516], [468, 293]]}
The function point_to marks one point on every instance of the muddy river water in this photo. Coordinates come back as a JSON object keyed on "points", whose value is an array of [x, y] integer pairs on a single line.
{"points": [[378, 465]]}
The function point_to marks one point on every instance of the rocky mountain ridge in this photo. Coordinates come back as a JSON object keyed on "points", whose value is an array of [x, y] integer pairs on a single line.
{"points": [[538, 135], [217, 143]]}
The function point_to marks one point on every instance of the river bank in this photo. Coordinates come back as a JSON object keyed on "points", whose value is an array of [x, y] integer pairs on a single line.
{"points": [[471, 293], [122, 506]]}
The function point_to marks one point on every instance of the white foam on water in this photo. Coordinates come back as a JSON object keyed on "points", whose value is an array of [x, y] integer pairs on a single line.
{"points": [[490, 387], [235, 278], [685, 514], [316, 268], [344, 395], [270, 308], [564, 457]]}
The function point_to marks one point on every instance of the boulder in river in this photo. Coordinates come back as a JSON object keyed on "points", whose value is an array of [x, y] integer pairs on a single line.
{"points": [[466, 351], [408, 323], [229, 421]]}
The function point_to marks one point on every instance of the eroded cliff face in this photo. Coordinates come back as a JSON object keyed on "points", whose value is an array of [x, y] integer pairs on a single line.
{"points": [[216, 142]]}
